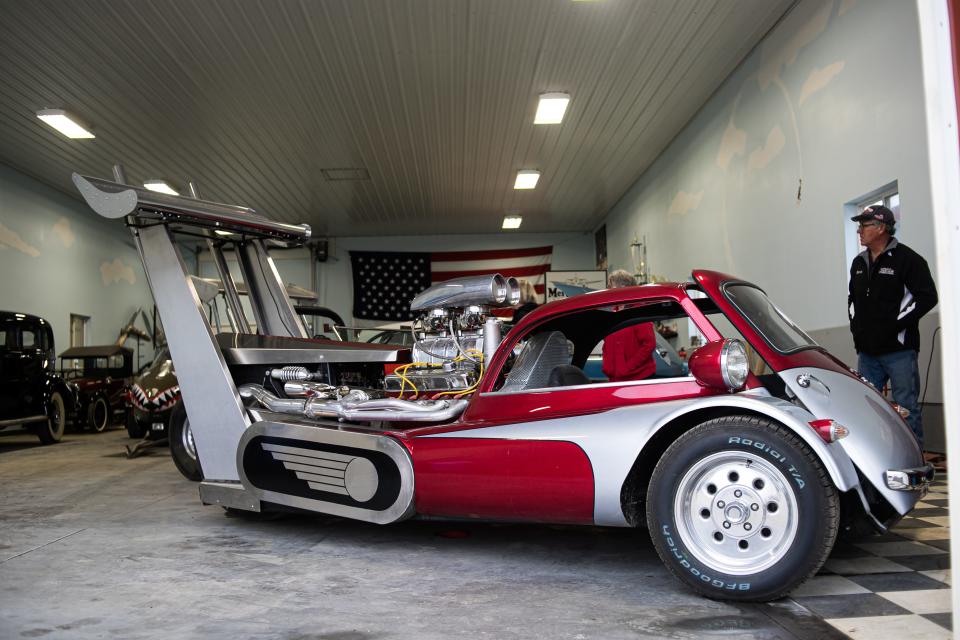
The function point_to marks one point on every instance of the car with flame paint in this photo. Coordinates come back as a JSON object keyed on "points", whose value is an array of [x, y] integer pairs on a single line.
{"points": [[744, 468]]}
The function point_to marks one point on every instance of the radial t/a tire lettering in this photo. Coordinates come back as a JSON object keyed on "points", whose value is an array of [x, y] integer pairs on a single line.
{"points": [[740, 508]]}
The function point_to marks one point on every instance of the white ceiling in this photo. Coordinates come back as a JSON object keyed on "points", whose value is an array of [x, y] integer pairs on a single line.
{"points": [[434, 98]]}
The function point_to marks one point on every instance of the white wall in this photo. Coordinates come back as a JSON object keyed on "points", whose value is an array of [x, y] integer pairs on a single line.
{"points": [[58, 257], [832, 96]]}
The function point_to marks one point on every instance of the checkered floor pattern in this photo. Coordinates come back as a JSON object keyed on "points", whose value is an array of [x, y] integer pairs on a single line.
{"points": [[892, 586]]}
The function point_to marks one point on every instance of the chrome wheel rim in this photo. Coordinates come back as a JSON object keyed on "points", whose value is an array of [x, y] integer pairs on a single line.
{"points": [[186, 436], [736, 513]]}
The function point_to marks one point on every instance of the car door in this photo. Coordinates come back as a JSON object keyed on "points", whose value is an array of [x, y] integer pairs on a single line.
{"points": [[11, 372]]}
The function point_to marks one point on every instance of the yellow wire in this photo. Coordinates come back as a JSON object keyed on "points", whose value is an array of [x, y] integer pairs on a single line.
{"points": [[463, 392]]}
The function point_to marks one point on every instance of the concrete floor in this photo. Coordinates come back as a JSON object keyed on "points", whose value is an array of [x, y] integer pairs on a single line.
{"points": [[93, 545]]}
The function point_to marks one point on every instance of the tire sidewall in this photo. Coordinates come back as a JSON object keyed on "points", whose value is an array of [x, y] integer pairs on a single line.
{"points": [[92, 414], [798, 473], [188, 466], [48, 431]]}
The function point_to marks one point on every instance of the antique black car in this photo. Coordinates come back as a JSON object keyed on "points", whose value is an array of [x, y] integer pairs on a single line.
{"points": [[32, 395], [98, 378]]}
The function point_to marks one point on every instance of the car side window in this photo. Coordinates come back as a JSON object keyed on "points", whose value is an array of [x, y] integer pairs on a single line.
{"points": [[28, 338], [116, 361], [646, 329]]}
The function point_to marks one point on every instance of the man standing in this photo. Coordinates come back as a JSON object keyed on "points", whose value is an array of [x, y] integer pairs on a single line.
{"points": [[890, 290]]}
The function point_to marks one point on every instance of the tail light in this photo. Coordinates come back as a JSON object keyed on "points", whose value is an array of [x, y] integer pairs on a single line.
{"points": [[829, 430]]}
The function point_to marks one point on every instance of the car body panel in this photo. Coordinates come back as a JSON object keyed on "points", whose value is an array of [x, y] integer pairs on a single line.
{"points": [[612, 440], [27, 369]]}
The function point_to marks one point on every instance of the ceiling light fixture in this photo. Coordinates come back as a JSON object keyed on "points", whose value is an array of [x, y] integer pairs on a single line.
{"points": [[551, 108], [512, 222], [526, 179], [64, 123], [160, 186]]}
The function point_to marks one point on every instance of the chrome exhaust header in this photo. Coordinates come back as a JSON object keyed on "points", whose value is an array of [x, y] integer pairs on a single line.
{"points": [[356, 406]]}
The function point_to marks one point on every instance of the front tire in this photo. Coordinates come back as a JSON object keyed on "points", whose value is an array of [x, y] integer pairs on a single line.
{"points": [[740, 508], [52, 430], [182, 448], [98, 415], [135, 429]]}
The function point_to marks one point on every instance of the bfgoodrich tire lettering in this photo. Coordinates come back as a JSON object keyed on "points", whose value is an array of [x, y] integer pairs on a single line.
{"points": [[182, 449], [740, 508]]}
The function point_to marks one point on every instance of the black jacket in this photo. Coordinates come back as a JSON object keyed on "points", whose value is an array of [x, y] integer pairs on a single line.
{"points": [[887, 298]]}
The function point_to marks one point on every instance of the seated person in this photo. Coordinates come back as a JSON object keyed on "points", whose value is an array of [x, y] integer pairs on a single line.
{"points": [[628, 353]]}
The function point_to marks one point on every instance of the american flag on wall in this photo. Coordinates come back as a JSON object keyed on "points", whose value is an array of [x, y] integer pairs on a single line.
{"points": [[384, 282]]}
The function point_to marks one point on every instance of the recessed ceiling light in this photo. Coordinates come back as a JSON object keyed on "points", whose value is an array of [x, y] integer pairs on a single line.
{"points": [[64, 123], [526, 179], [551, 108], [221, 232], [160, 186], [512, 222]]}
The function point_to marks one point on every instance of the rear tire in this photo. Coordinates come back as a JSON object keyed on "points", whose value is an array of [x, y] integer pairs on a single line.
{"points": [[740, 508], [52, 429], [182, 449], [98, 415]]}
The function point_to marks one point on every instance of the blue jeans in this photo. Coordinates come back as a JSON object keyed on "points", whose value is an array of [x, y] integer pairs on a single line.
{"points": [[900, 367]]}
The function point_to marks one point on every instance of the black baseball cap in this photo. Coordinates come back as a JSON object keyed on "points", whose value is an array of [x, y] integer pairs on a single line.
{"points": [[876, 212]]}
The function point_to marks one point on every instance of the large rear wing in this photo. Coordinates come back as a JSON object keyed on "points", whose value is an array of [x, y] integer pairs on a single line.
{"points": [[115, 200]]}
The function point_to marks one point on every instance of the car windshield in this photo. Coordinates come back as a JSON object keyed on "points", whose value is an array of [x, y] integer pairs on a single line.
{"points": [[771, 323]]}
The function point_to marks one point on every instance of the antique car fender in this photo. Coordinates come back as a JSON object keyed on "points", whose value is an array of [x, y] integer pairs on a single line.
{"points": [[834, 458]]}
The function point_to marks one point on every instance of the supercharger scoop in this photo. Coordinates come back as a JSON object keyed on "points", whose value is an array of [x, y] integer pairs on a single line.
{"points": [[455, 333]]}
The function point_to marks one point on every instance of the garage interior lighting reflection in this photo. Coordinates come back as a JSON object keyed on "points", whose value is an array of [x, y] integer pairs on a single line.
{"points": [[160, 186], [526, 179], [64, 123], [512, 222], [551, 108]]}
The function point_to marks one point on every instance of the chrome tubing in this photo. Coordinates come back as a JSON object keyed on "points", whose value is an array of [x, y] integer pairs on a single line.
{"points": [[115, 200], [382, 409], [491, 290]]}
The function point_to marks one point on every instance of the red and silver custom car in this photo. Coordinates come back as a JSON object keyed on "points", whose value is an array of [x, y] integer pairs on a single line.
{"points": [[743, 471]]}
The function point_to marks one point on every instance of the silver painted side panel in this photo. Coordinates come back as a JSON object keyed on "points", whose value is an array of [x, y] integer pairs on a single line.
{"points": [[217, 417], [613, 440], [879, 438], [402, 507]]}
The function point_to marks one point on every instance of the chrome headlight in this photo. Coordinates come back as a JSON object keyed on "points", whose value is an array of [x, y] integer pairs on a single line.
{"points": [[733, 364]]}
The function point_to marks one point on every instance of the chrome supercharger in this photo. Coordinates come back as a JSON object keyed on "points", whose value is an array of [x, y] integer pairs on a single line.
{"points": [[291, 451]]}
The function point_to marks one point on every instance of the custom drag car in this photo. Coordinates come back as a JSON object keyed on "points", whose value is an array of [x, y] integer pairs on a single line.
{"points": [[32, 395], [98, 378], [743, 471]]}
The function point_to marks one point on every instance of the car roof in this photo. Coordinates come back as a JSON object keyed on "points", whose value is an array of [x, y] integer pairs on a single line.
{"points": [[672, 290], [16, 315], [97, 351]]}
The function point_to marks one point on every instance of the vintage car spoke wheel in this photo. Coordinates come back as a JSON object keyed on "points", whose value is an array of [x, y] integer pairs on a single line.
{"points": [[740, 508], [52, 430], [183, 450], [98, 414]]}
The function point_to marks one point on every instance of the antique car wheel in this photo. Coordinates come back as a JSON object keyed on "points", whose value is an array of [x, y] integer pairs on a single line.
{"points": [[135, 429], [98, 414], [52, 429], [182, 448], [740, 508]]}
